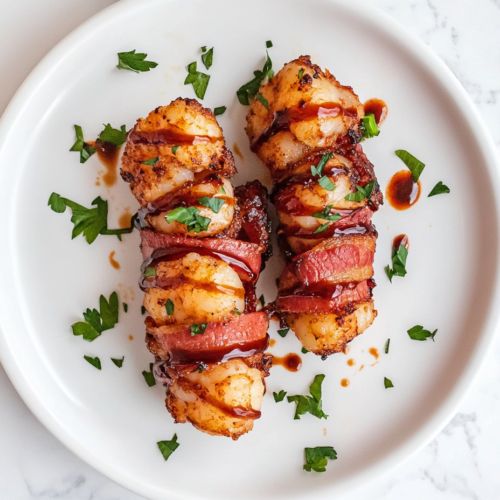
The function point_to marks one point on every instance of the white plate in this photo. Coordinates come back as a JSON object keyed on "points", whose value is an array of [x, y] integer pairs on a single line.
{"points": [[111, 418]]}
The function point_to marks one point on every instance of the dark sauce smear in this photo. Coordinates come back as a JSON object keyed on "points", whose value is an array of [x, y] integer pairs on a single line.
{"points": [[402, 192], [108, 155], [378, 108], [291, 362], [283, 119], [399, 240]]}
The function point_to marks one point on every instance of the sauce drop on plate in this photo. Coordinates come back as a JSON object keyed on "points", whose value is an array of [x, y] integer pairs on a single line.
{"points": [[112, 260], [291, 362], [344, 382], [374, 352], [108, 154], [378, 108], [401, 239], [272, 343], [350, 362], [131, 337], [402, 192], [125, 219]]}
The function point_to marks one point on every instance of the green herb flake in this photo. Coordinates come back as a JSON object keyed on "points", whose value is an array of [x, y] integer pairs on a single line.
{"points": [[320, 167], [220, 110], [322, 228], [326, 215], [213, 204], [326, 183], [113, 135], [169, 306], [134, 62], [301, 73], [414, 165], [208, 57], [279, 396], [262, 300], [317, 458], [283, 333], [152, 161], [189, 216], [198, 80], [198, 328], [174, 149], [439, 188], [304, 350], [418, 333], [369, 126], [86, 150], [222, 190], [149, 377], [362, 192], [399, 257], [143, 310], [96, 321], [310, 404], [387, 383], [149, 271], [204, 48], [269, 44], [168, 447], [238, 313], [95, 362], [387, 344], [262, 100], [247, 92], [125, 307], [118, 362]]}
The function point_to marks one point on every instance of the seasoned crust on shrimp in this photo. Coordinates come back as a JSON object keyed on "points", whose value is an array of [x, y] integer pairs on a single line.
{"points": [[326, 334]]}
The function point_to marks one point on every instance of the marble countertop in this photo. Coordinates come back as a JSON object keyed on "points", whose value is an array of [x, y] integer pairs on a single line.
{"points": [[462, 462]]}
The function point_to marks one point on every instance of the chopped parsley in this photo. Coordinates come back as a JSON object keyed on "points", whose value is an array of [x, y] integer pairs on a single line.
{"points": [[418, 333], [247, 92], [169, 306], [152, 161], [399, 257], [414, 165], [369, 126], [304, 350], [149, 271], [322, 228], [219, 110], [207, 57], [189, 216], [86, 150], [118, 362], [279, 396], [262, 100], [362, 192], [387, 383], [301, 73], [168, 447], [262, 300], [198, 79], [317, 458], [113, 135], [95, 362], [213, 204], [90, 221], [326, 215], [238, 313], [134, 62], [283, 333], [149, 377], [310, 404], [96, 321], [198, 328], [174, 149], [326, 183], [387, 344], [439, 188], [269, 44], [318, 169], [222, 190], [125, 307]]}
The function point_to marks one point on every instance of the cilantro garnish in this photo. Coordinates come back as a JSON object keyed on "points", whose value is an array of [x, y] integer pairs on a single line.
{"points": [[418, 333], [169, 306], [247, 92], [95, 362], [149, 377], [414, 165], [279, 396], [198, 79], [168, 447], [220, 110], [152, 161], [189, 216], [96, 321], [399, 257], [90, 221], [316, 458], [118, 362], [318, 169], [362, 192], [134, 62], [262, 100], [439, 188], [369, 126], [387, 383], [198, 328], [283, 333], [113, 135], [213, 204], [85, 149], [310, 404], [207, 57]]}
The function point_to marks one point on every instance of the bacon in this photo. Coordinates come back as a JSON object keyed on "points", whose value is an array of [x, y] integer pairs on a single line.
{"points": [[241, 337]]}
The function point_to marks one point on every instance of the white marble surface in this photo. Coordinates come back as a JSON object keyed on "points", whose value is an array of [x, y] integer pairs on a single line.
{"points": [[463, 461]]}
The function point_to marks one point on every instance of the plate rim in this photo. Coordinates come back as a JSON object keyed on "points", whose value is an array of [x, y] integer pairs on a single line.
{"points": [[448, 406]]}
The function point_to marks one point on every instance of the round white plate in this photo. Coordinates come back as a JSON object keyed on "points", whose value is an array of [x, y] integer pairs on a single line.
{"points": [[111, 418]]}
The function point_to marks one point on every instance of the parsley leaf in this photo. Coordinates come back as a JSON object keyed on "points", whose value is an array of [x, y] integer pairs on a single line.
{"points": [[439, 188], [318, 169], [125, 307], [362, 192], [169, 306], [219, 110], [279, 396], [198, 328], [316, 458], [262, 300], [118, 362], [113, 135], [149, 271], [96, 321], [326, 215], [86, 150], [262, 100], [418, 333], [134, 62], [369, 126], [207, 57], [198, 79], [301, 74], [151, 161], [283, 333], [399, 257], [95, 362], [238, 313], [414, 165], [149, 377], [213, 204], [387, 383], [168, 447], [269, 44], [247, 92], [143, 310], [90, 221], [326, 183], [304, 350], [387, 344], [189, 216], [310, 404], [174, 149], [322, 228]]}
